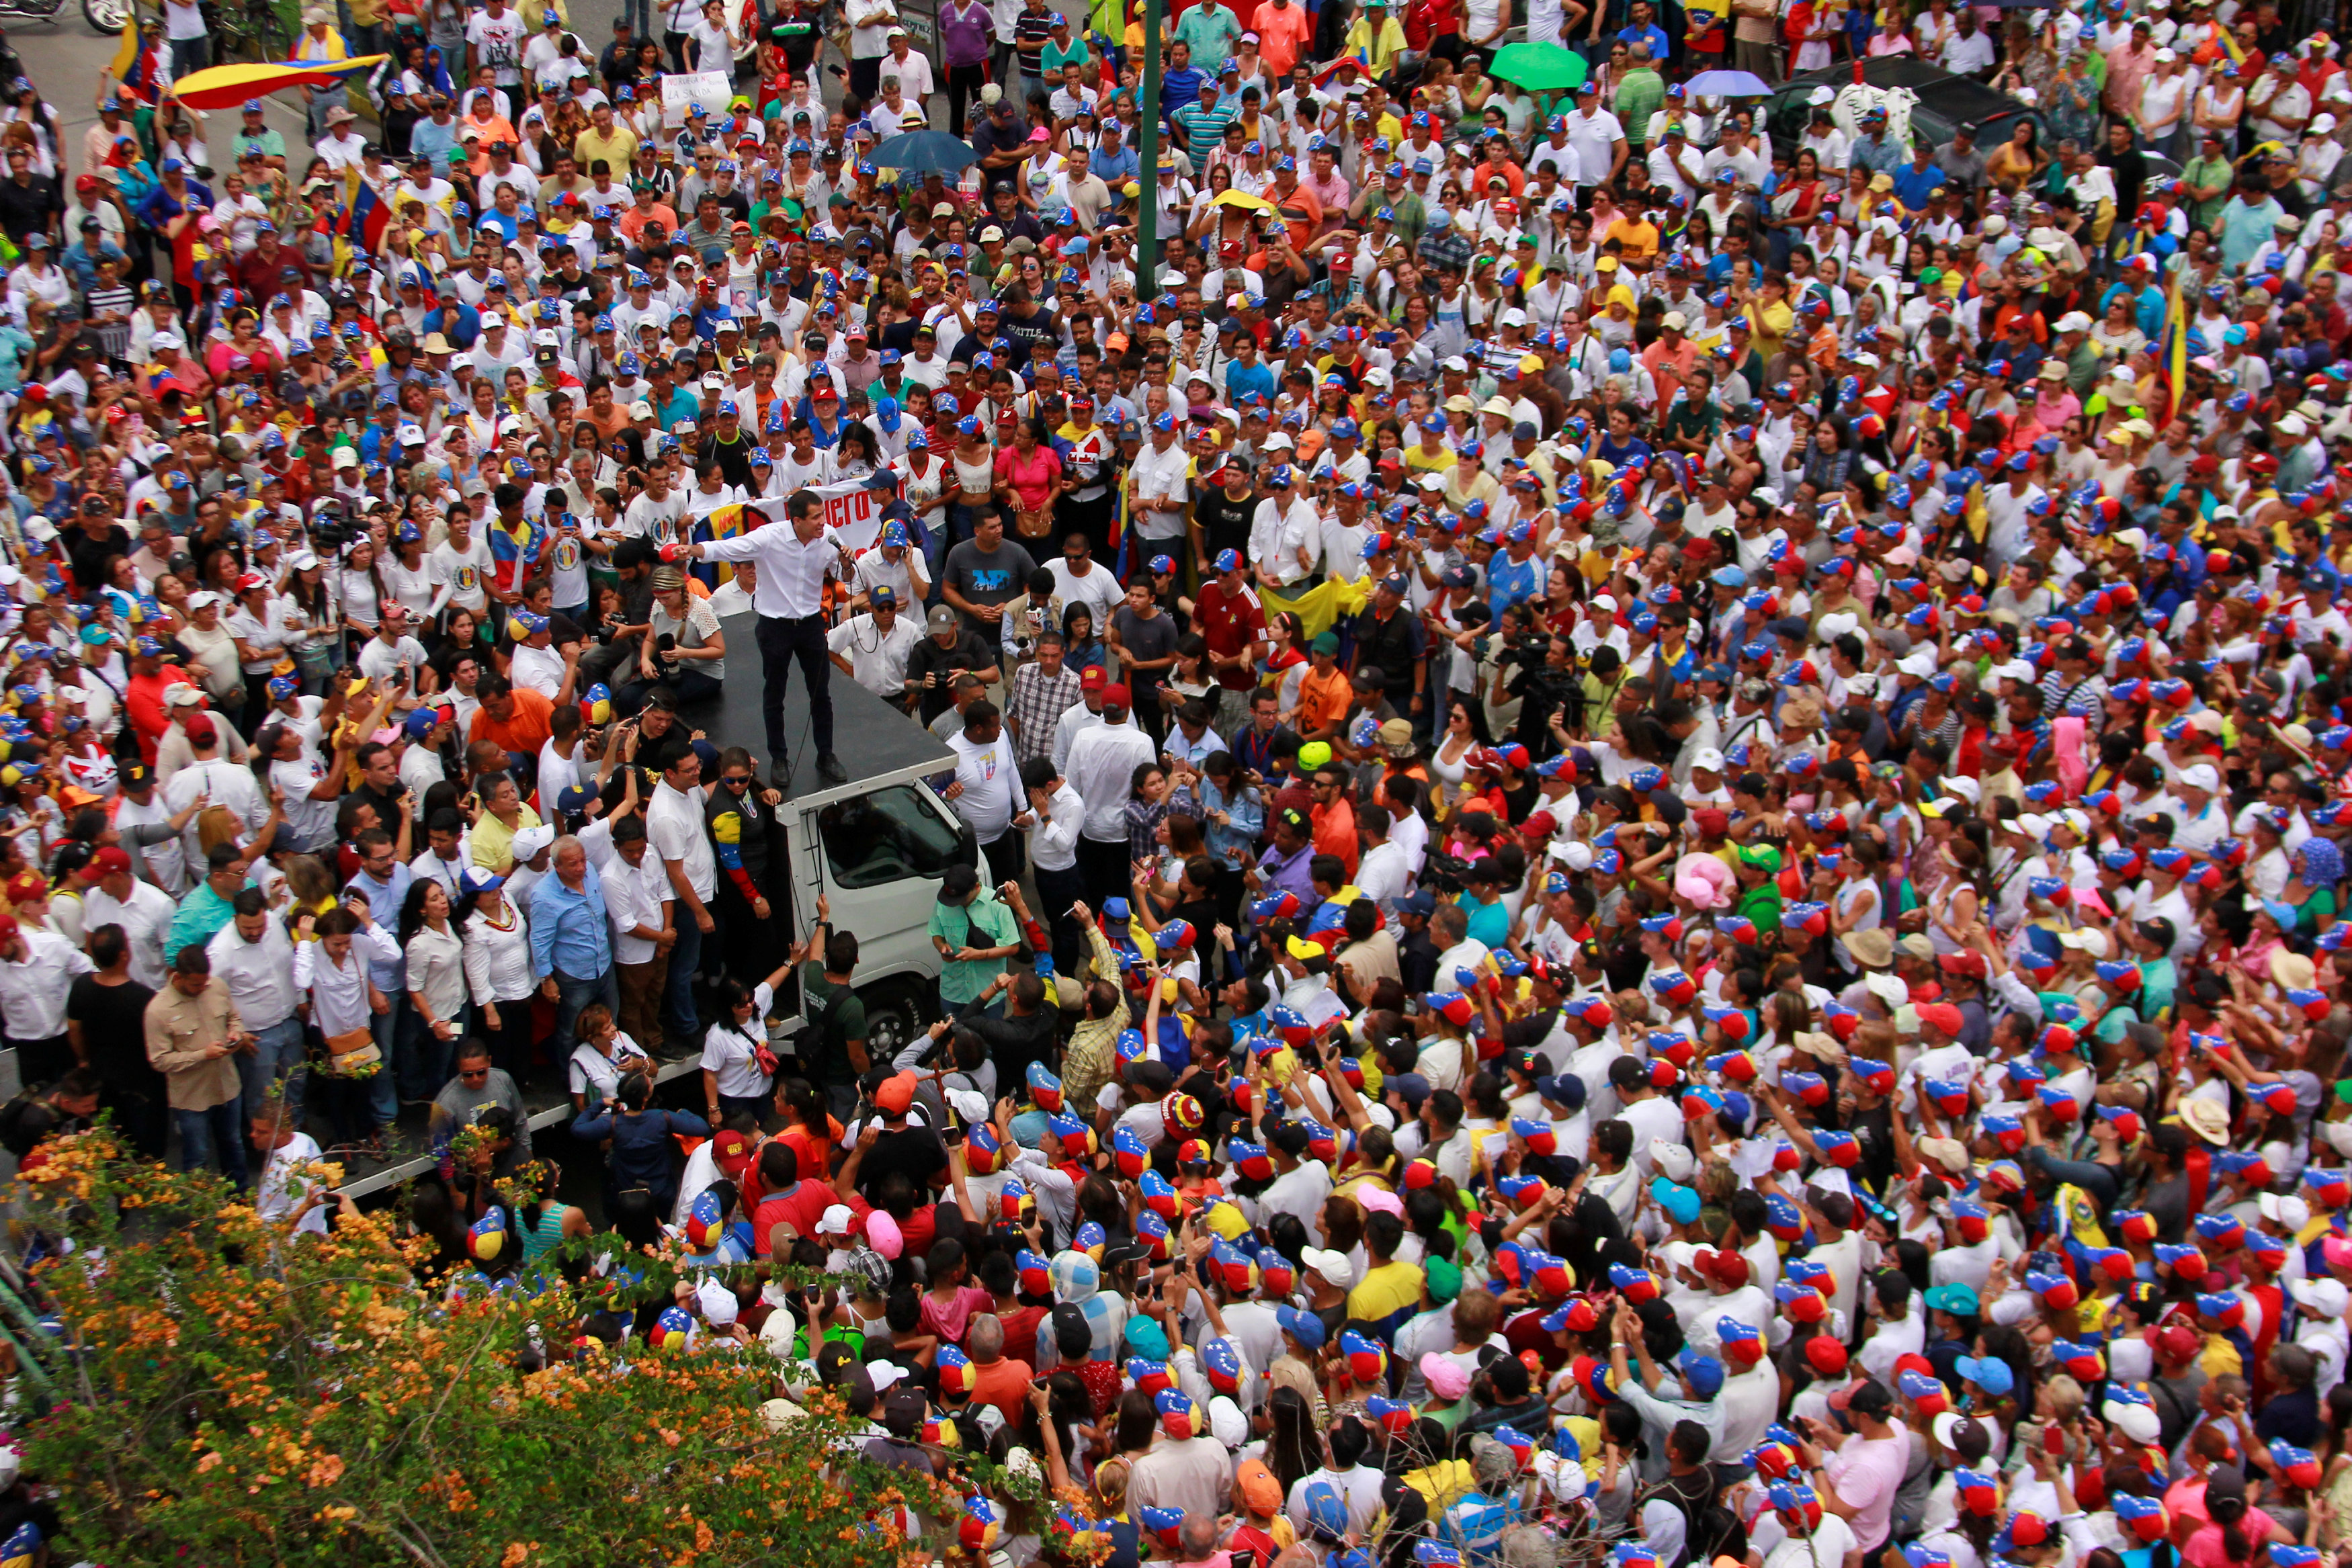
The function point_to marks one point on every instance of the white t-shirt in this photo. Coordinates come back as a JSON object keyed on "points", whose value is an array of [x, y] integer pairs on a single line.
{"points": [[498, 40], [727, 1051], [1594, 137]]}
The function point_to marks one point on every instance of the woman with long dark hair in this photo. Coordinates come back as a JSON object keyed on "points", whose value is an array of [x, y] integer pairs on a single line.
{"points": [[436, 983], [1294, 1448], [2235, 1533]]}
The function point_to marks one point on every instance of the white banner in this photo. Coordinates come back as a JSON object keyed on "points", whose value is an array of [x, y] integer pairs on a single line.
{"points": [[854, 513], [851, 510], [714, 90]]}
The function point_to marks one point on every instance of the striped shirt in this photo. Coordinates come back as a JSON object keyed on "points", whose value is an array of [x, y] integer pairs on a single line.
{"points": [[1035, 704], [2082, 699], [1031, 33], [1203, 123], [1444, 244]]}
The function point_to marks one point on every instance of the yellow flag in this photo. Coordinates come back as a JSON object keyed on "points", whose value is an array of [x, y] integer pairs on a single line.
{"points": [[2175, 329], [126, 54], [1320, 608]]}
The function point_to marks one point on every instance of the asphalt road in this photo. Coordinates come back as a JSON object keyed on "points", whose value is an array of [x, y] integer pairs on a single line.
{"points": [[68, 61]]}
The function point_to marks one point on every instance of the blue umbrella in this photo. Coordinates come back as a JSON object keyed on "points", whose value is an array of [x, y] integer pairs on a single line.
{"points": [[924, 152], [1727, 84]]}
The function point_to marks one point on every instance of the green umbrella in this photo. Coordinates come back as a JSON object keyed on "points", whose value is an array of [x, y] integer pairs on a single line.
{"points": [[1538, 67]]}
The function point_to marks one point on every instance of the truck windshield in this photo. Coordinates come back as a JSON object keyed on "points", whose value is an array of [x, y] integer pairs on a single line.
{"points": [[885, 837]]}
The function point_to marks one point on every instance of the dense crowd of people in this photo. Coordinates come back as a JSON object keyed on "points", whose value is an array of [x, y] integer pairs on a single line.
{"points": [[1659, 798]]}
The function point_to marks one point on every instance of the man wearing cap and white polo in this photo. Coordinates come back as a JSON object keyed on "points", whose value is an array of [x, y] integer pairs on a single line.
{"points": [[872, 649]]}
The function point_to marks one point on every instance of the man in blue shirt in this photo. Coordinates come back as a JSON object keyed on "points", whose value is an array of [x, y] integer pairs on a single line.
{"points": [[1645, 31], [81, 259], [453, 317], [1919, 180], [671, 403], [1285, 867], [1179, 84], [1248, 375], [384, 880], [2246, 224], [571, 942], [1873, 149], [179, 196], [1113, 164], [1513, 577]]}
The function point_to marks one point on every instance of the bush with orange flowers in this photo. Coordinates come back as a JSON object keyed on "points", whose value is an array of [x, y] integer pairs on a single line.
{"points": [[230, 1391]]}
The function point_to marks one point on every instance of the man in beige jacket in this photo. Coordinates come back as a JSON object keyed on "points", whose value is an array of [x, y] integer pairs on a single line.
{"points": [[194, 1034]]}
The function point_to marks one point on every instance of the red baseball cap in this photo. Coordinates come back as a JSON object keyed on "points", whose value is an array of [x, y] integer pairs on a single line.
{"points": [[111, 860], [731, 1151], [1943, 1016], [1093, 678], [1113, 696]]}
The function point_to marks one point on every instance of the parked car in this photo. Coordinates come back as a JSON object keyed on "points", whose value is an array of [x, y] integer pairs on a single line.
{"points": [[1946, 101]]}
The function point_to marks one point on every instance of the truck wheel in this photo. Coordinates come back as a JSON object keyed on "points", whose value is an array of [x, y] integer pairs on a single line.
{"points": [[894, 1016]]}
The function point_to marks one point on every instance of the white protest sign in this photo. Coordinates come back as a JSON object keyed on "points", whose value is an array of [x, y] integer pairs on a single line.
{"points": [[714, 90]]}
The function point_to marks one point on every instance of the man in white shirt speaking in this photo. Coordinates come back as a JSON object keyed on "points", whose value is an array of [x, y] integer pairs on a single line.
{"points": [[793, 559]]}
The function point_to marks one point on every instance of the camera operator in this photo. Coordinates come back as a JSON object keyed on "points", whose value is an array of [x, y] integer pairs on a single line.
{"points": [[1546, 675], [615, 637]]}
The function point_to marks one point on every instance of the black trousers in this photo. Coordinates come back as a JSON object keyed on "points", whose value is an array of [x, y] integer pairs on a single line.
{"points": [[41, 1063], [781, 642], [144, 1116], [1108, 869], [964, 83], [510, 1043], [1005, 857], [1056, 891]]}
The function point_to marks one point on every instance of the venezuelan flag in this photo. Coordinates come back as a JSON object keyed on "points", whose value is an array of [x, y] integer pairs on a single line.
{"points": [[226, 86]]}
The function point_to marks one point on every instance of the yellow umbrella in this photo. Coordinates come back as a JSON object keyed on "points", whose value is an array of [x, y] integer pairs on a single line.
{"points": [[1242, 200]]}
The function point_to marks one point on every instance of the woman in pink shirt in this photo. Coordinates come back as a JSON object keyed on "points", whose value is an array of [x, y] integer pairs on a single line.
{"points": [[1028, 473], [947, 1305], [2232, 1534]]}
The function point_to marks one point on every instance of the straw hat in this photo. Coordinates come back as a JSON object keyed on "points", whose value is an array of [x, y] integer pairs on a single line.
{"points": [[1873, 949], [2207, 1119], [2292, 971]]}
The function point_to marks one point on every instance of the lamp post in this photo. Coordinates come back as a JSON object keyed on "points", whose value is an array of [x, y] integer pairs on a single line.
{"points": [[1147, 114]]}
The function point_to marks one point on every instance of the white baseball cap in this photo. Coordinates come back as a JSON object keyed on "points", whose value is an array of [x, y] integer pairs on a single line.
{"points": [[2285, 1208], [1673, 1161], [1333, 1266]]}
